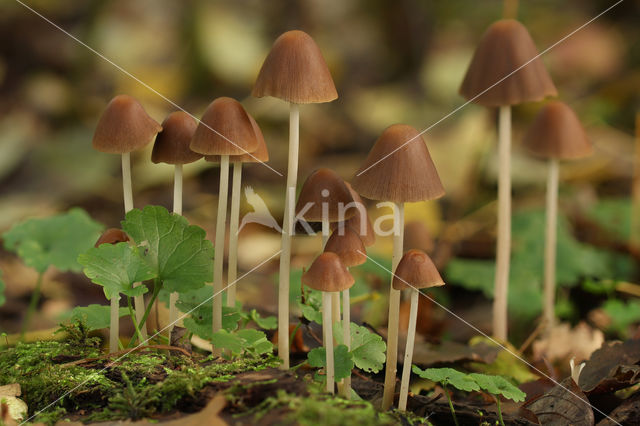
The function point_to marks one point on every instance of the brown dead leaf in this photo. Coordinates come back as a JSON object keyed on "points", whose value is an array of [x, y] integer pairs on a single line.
{"points": [[627, 413], [450, 351], [613, 366], [563, 405], [564, 343]]}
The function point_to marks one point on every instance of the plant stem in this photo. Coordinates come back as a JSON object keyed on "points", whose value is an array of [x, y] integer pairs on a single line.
{"points": [[503, 244], [232, 273], [134, 320], [287, 231], [33, 304], [114, 324], [346, 333], [499, 409], [408, 352], [156, 290], [218, 261], [453, 412], [293, 335], [327, 332], [550, 245], [394, 313]]}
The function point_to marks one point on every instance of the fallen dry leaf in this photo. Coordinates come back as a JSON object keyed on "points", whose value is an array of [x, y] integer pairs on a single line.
{"points": [[564, 343], [563, 405], [613, 366]]}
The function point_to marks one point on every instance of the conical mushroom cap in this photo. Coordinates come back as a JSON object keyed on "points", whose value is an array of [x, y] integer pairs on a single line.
{"points": [[295, 71], [416, 269], [112, 236], [417, 236], [348, 246], [398, 170], [232, 132], [328, 273], [124, 127], [359, 222], [556, 132], [260, 155], [504, 48], [324, 186], [172, 143]]}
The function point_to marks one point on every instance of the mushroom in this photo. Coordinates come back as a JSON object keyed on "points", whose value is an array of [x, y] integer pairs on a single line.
{"points": [[328, 275], [415, 271], [234, 135], [325, 198], [398, 169], [260, 155], [296, 72], [556, 134], [505, 70], [125, 127], [359, 222], [172, 147], [113, 236], [349, 247]]}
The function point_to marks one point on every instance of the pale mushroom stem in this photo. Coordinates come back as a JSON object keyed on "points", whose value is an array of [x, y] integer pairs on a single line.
{"points": [[287, 231], [503, 245], [408, 352], [328, 338], [128, 206], [221, 220], [346, 333], [232, 273], [177, 209], [335, 296], [550, 244], [394, 313]]}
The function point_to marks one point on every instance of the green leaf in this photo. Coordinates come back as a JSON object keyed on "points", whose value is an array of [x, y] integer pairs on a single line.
{"points": [[506, 363], [498, 385], [312, 308], [448, 376], [53, 241], [177, 252], [367, 348], [614, 215], [116, 267], [256, 341], [225, 340], [342, 360], [267, 323], [248, 341], [199, 307], [95, 317], [622, 315]]}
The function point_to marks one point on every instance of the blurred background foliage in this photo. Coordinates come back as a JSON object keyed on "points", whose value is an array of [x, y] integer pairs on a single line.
{"points": [[392, 61]]}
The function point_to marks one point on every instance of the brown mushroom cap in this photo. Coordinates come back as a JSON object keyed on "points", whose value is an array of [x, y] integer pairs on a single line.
{"points": [[399, 168], [504, 48], [328, 273], [417, 236], [260, 155], [124, 127], [172, 143], [348, 246], [325, 186], [356, 222], [295, 71], [112, 236], [416, 269], [232, 132], [556, 132]]}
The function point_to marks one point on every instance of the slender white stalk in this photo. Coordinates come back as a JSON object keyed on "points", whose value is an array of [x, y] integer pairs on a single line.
{"points": [[550, 245], [128, 206], [394, 314], [408, 352], [177, 209], [232, 273], [335, 296], [346, 333], [503, 244], [218, 263], [328, 338], [287, 232], [114, 324]]}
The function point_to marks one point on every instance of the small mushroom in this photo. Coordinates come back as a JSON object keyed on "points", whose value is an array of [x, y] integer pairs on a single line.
{"points": [[260, 155], [359, 222], [328, 275], [172, 147], [415, 271], [113, 236], [556, 134], [296, 72], [225, 129], [349, 247], [505, 70], [125, 127], [398, 169]]}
